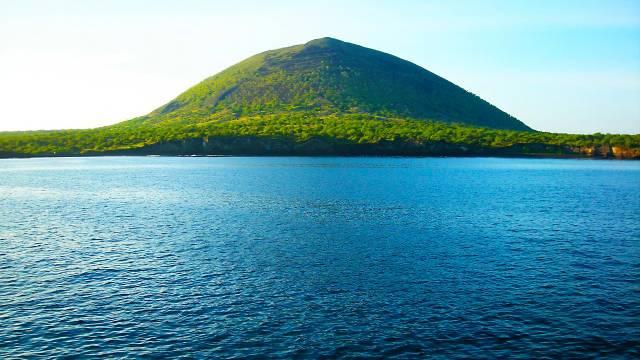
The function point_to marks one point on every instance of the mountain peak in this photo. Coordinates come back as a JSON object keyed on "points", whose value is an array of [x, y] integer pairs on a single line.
{"points": [[325, 42], [330, 76]]}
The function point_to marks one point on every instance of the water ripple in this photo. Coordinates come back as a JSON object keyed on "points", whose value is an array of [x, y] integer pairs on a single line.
{"points": [[296, 258]]}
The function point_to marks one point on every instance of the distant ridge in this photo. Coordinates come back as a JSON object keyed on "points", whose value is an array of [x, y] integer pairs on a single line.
{"points": [[327, 76]]}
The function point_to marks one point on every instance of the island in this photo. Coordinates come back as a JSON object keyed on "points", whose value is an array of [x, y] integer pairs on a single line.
{"points": [[325, 97]]}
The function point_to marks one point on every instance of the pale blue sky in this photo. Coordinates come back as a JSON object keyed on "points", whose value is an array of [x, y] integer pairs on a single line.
{"points": [[568, 66]]}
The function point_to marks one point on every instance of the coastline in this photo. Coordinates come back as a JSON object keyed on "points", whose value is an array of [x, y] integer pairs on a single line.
{"points": [[282, 146]]}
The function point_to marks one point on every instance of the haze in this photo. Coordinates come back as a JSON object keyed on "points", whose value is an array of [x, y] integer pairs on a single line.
{"points": [[570, 67]]}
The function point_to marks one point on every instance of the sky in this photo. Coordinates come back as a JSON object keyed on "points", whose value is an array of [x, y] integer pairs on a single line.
{"points": [[561, 66]]}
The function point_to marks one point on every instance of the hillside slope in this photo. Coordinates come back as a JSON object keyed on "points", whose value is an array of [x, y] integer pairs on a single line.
{"points": [[329, 76]]}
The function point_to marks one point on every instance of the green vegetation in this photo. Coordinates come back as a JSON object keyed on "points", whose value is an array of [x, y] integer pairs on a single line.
{"points": [[354, 128], [328, 76], [325, 89]]}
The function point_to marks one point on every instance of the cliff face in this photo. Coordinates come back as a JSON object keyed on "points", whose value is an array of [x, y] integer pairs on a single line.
{"points": [[329, 147], [607, 151], [625, 153]]}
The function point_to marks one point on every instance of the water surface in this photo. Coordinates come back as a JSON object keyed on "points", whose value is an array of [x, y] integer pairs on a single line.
{"points": [[319, 257]]}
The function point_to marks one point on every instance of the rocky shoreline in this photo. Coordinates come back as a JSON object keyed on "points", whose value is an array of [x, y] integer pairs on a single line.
{"points": [[282, 146]]}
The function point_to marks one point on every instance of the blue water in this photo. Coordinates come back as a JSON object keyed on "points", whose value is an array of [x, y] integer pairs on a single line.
{"points": [[319, 258]]}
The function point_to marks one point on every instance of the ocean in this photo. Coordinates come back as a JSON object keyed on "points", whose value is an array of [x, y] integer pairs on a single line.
{"points": [[312, 257]]}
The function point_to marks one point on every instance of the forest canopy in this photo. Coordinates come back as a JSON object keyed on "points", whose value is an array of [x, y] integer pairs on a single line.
{"points": [[354, 128]]}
